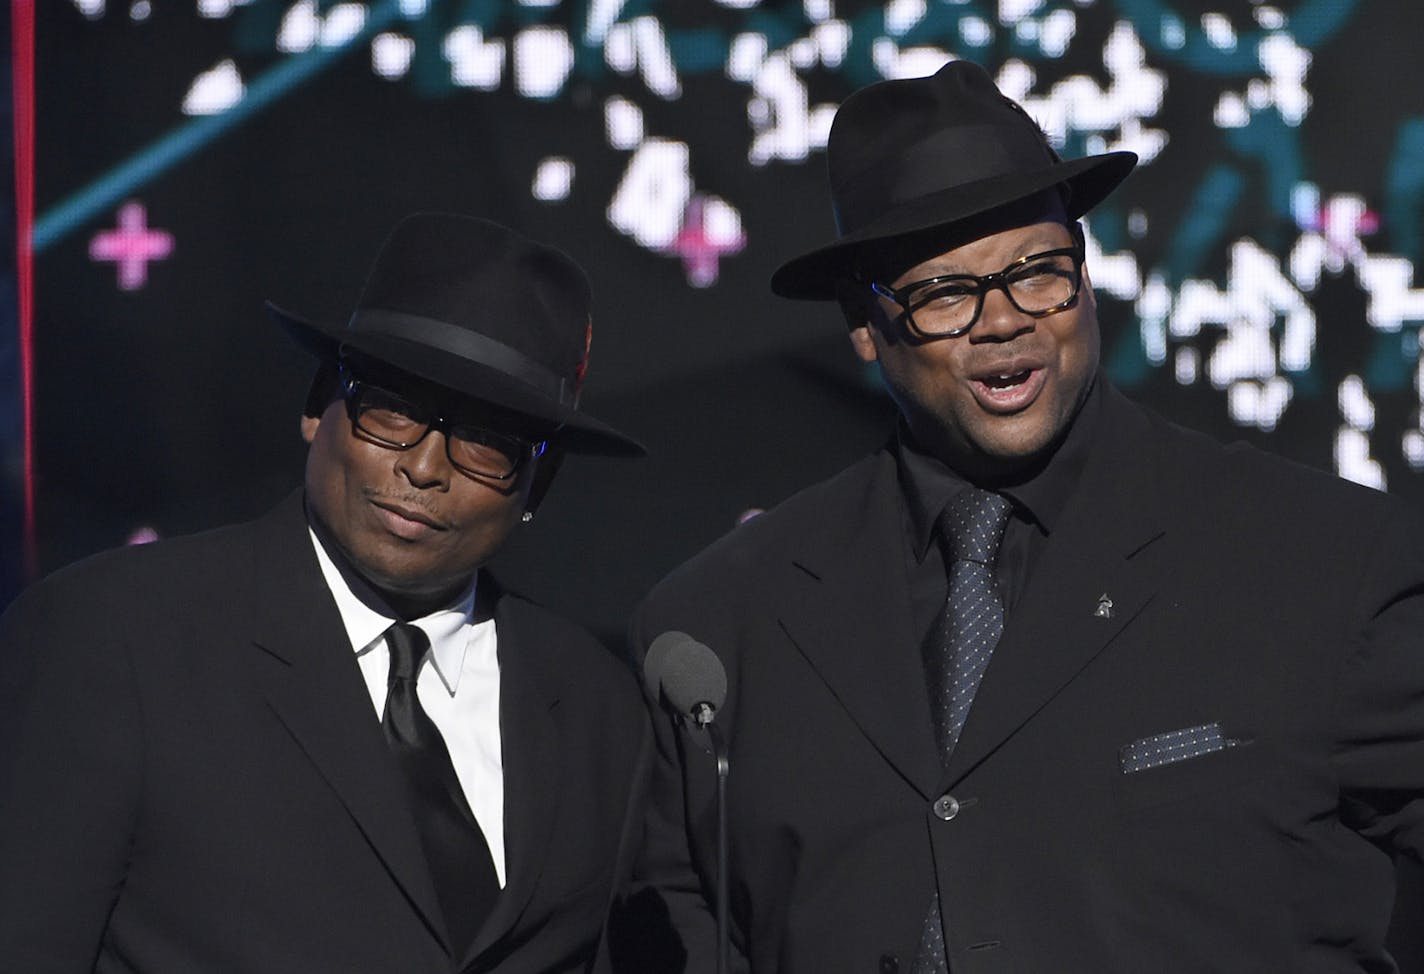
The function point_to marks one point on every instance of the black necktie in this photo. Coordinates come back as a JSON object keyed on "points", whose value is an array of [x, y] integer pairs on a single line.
{"points": [[459, 858], [958, 648]]}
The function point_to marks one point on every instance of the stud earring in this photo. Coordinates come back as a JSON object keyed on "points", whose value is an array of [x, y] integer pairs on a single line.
{"points": [[527, 516]]}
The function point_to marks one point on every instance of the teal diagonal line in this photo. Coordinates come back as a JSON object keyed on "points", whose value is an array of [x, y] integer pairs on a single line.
{"points": [[173, 148]]}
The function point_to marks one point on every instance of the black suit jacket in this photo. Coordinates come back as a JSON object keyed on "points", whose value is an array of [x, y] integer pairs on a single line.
{"points": [[1186, 585], [192, 778]]}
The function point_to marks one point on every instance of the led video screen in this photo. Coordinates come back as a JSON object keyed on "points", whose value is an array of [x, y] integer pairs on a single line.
{"points": [[1256, 275]]}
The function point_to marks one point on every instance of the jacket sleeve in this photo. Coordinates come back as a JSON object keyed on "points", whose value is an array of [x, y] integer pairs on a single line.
{"points": [[70, 770], [1379, 750]]}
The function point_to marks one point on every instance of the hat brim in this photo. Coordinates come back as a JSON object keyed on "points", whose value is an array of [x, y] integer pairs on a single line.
{"points": [[573, 431], [813, 276]]}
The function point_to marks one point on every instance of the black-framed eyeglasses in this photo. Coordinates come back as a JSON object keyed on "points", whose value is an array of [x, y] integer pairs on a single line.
{"points": [[948, 306], [395, 421]]}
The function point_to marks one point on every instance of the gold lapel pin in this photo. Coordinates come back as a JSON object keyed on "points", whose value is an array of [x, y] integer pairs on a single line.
{"points": [[1105, 607]]}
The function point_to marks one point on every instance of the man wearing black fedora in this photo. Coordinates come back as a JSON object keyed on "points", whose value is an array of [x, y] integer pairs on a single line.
{"points": [[326, 741], [1047, 684]]}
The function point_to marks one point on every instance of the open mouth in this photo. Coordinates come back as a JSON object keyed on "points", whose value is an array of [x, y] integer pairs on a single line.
{"points": [[1008, 391], [1007, 379]]}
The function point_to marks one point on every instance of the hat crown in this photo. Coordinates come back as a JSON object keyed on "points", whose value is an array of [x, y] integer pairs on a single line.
{"points": [[484, 278], [479, 309], [901, 140], [918, 156]]}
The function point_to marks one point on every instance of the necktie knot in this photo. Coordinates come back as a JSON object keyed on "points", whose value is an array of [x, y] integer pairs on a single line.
{"points": [[972, 525], [408, 645]]}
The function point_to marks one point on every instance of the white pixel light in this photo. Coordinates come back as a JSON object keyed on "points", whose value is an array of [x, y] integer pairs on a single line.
{"points": [[911, 62], [1353, 460], [1057, 33], [553, 179], [832, 41], [341, 23], [650, 199], [975, 31], [622, 123], [215, 90], [391, 55], [1152, 309], [1270, 18], [640, 45], [217, 9], [1186, 364], [1286, 63], [1355, 405], [1218, 31], [1259, 404], [299, 29], [1114, 274], [902, 15], [779, 112], [1230, 112], [745, 55], [1013, 11], [474, 62], [543, 58], [1392, 301], [1412, 446], [602, 15]]}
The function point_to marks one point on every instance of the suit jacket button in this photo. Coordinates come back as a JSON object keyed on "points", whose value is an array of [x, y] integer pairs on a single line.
{"points": [[946, 807], [889, 964]]}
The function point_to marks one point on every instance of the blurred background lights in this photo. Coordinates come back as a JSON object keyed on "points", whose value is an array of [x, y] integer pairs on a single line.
{"points": [[553, 179], [543, 58], [474, 62], [623, 123], [1219, 32], [215, 90], [391, 55]]}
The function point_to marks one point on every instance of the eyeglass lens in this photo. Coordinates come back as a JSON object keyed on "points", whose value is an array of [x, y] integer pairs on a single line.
{"points": [[398, 422], [1040, 284]]}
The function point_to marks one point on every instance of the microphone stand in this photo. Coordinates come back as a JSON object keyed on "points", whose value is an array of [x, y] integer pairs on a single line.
{"points": [[704, 717]]}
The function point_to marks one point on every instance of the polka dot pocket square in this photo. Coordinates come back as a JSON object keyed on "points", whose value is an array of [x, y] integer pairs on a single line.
{"points": [[1173, 746]]}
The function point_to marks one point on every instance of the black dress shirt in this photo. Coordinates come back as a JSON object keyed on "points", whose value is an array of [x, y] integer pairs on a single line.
{"points": [[1038, 500]]}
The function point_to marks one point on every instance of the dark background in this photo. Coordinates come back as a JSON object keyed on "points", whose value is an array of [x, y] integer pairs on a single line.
{"points": [[174, 407]]}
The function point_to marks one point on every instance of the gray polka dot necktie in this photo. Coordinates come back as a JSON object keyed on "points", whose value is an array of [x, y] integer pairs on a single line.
{"points": [[960, 644]]}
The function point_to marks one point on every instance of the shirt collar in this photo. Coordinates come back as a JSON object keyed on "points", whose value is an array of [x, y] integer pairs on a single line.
{"points": [[928, 483], [366, 617]]}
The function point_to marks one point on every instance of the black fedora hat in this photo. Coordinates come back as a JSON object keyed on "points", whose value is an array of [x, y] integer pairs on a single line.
{"points": [[912, 154], [476, 307]]}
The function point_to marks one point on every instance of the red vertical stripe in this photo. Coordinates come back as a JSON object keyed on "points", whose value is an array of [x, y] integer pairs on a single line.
{"points": [[22, 36]]}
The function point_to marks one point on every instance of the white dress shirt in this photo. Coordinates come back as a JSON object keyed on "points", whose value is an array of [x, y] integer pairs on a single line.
{"points": [[458, 685]]}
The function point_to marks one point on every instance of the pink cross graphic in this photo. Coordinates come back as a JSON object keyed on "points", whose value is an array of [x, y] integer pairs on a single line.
{"points": [[701, 249], [131, 245]]}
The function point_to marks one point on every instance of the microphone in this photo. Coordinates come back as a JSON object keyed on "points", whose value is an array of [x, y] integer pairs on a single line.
{"points": [[686, 674], [690, 677]]}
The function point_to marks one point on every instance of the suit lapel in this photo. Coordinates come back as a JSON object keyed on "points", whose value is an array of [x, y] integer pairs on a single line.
{"points": [[1115, 519], [529, 731], [847, 609], [305, 666]]}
